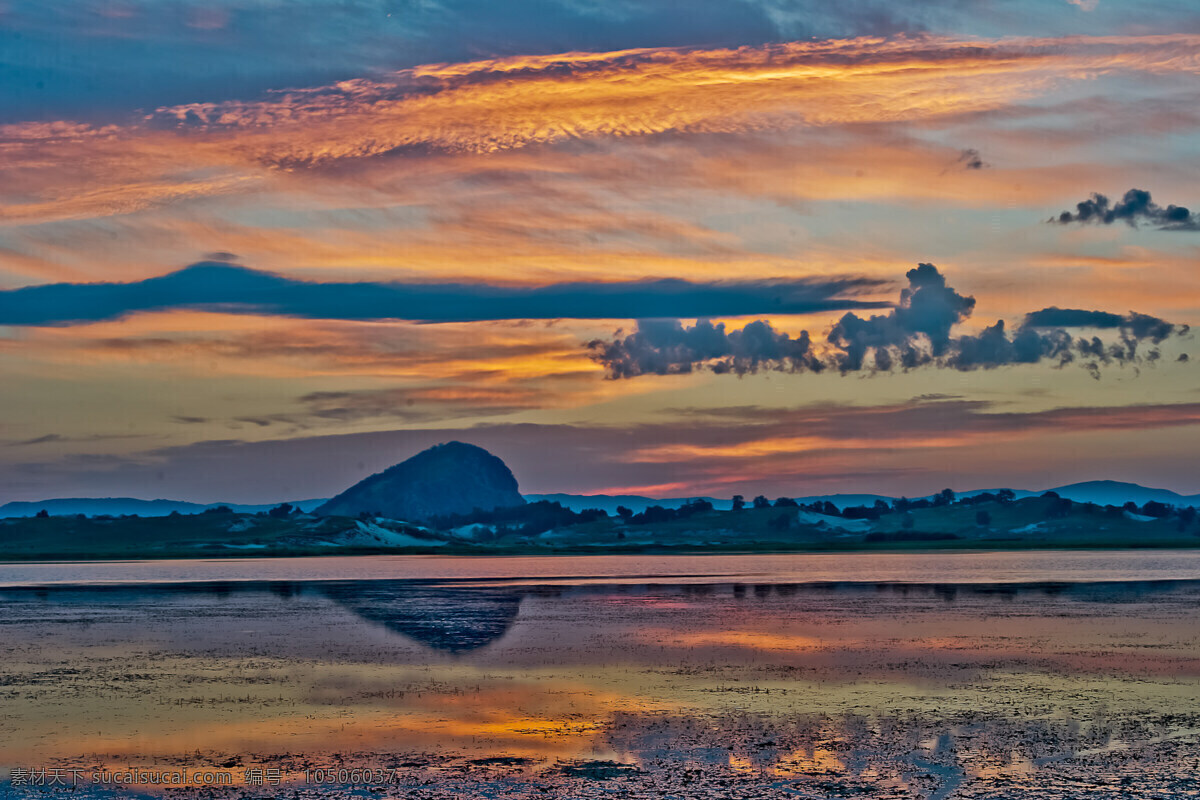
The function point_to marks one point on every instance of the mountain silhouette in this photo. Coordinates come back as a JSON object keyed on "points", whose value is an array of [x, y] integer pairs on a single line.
{"points": [[450, 478]]}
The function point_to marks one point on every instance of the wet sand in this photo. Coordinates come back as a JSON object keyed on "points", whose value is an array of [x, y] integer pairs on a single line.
{"points": [[767, 689]]}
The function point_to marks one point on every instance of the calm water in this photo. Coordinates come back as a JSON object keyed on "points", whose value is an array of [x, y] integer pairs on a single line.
{"points": [[1025, 567], [1053, 674]]}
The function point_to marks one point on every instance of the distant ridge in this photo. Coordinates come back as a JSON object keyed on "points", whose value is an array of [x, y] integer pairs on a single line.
{"points": [[1118, 493], [609, 502], [638, 503], [116, 506], [1101, 492]]}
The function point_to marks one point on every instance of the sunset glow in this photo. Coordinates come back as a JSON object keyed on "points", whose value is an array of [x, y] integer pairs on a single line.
{"points": [[830, 151]]}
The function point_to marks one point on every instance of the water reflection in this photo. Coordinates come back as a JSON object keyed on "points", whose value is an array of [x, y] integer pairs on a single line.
{"points": [[459, 618], [925, 687], [451, 619]]}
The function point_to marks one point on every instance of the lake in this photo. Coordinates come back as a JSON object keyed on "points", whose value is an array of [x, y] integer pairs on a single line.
{"points": [[1033, 674]]}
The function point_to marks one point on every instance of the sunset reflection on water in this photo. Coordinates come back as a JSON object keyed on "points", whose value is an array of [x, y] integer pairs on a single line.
{"points": [[771, 679]]}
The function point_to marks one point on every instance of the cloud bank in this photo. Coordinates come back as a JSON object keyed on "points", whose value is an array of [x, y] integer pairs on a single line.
{"points": [[917, 332], [213, 286]]}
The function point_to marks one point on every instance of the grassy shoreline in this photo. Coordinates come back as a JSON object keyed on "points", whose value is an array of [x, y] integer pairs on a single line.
{"points": [[1043, 523], [955, 546]]}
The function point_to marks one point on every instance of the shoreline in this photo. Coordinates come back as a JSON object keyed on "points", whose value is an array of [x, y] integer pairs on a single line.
{"points": [[958, 547]]}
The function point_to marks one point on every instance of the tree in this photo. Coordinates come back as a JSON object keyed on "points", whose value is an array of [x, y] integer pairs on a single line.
{"points": [[281, 511], [1059, 506], [1153, 508], [943, 498], [786, 502], [861, 512], [624, 513], [1187, 515], [762, 502], [1006, 495], [983, 519], [739, 502], [43, 514]]}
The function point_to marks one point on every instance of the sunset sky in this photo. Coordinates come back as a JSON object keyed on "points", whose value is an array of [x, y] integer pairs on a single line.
{"points": [[253, 250]]}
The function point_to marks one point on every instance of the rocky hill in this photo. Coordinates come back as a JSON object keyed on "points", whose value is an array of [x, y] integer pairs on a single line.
{"points": [[450, 478]]}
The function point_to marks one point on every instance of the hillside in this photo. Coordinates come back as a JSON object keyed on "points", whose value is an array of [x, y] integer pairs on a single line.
{"points": [[202, 535], [547, 529]]}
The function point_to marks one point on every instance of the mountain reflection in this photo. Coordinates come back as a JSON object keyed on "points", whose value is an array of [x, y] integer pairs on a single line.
{"points": [[450, 619], [460, 619]]}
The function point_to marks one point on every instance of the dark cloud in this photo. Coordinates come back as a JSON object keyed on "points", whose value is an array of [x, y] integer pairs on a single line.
{"points": [[418, 404], [49, 437], [970, 159], [917, 332], [1135, 207], [216, 286], [1055, 317], [933, 397], [56, 438], [665, 347]]}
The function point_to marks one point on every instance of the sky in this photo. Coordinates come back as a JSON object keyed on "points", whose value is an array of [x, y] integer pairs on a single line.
{"points": [[255, 250]]}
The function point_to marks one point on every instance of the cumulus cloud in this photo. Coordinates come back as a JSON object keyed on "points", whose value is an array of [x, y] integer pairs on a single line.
{"points": [[666, 347], [1135, 207], [917, 332], [223, 287], [928, 306]]}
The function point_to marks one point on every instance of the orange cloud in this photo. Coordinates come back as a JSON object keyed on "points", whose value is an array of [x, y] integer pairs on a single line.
{"points": [[502, 104], [64, 170]]}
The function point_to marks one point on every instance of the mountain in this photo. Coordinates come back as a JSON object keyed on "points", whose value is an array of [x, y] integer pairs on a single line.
{"points": [[449, 478], [118, 506], [1118, 493]]}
